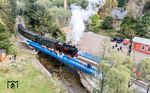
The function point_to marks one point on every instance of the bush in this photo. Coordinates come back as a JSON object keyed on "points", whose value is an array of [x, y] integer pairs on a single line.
{"points": [[95, 24], [107, 23], [148, 77], [121, 3], [4, 38], [142, 27], [13, 50], [146, 7]]}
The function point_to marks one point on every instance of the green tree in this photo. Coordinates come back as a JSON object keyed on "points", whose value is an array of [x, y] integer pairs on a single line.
{"points": [[19, 8], [146, 22], [4, 38], [116, 58], [121, 3], [103, 67], [44, 3], [139, 26], [36, 13], [115, 70], [59, 15], [140, 29], [60, 3], [143, 26], [95, 24], [105, 10], [13, 50], [129, 63], [128, 26], [7, 17], [145, 67], [44, 17], [107, 23], [117, 80], [57, 19]]}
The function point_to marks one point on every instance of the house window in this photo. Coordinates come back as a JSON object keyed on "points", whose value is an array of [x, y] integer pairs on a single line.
{"points": [[149, 49], [142, 47]]}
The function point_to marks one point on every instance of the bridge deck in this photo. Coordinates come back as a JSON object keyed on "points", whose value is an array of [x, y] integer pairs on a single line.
{"points": [[73, 62]]}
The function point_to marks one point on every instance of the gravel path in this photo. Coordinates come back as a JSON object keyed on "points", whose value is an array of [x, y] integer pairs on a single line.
{"points": [[93, 43]]}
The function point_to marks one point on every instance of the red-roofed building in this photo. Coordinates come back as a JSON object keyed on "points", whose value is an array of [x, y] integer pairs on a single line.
{"points": [[141, 45]]}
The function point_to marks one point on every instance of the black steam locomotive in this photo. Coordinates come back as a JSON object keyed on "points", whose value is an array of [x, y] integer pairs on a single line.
{"points": [[69, 50]]}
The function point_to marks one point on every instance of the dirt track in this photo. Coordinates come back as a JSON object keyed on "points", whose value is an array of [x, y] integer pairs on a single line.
{"points": [[93, 43]]}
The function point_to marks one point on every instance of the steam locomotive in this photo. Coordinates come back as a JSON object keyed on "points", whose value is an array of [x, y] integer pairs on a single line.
{"points": [[69, 50]]}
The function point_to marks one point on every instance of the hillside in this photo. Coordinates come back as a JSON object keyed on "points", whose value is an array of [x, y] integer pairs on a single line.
{"points": [[30, 74]]}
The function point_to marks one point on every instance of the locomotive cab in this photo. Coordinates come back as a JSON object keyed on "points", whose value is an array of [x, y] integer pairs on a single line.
{"points": [[67, 49]]}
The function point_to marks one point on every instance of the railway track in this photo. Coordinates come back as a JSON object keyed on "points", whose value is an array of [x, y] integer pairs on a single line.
{"points": [[88, 61], [94, 64], [139, 83]]}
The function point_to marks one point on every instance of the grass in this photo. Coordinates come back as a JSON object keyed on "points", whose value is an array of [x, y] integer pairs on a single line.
{"points": [[109, 33], [30, 79]]}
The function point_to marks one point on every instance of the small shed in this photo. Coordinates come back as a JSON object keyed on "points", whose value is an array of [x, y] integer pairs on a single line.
{"points": [[141, 44], [2, 54], [118, 14]]}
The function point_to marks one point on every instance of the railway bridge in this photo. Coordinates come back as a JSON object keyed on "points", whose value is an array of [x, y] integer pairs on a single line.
{"points": [[76, 63]]}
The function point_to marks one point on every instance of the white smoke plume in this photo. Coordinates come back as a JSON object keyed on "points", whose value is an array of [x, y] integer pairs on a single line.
{"points": [[79, 16], [19, 20]]}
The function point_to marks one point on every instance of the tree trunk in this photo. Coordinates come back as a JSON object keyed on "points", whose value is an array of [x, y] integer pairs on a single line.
{"points": [[65, 4], [148, 88], [102, 83]]}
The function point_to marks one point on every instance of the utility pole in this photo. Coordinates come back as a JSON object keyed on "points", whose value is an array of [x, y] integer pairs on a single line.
{"points": [[65, 4], [148, 88]]}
